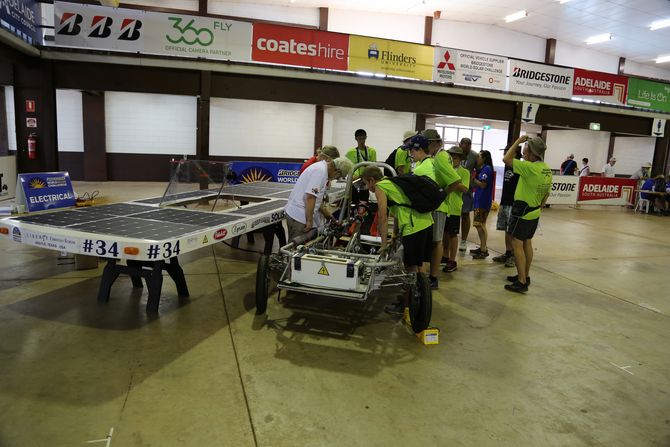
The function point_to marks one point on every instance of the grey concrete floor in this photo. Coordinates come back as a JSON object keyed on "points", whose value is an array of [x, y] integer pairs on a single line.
{"points": [[582, 359]]}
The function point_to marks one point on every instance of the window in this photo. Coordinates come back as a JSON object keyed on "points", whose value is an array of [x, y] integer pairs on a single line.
{"points": [[453, 134]]}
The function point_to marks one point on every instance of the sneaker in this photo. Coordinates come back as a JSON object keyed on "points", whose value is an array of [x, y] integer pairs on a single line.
{"points": [[463, 246], [395, 309], [480, 255], [444, 261], [515, 278], [450, 267], [475, 250], [516, 286], [502, 258], [510, 262], [433, 282]]}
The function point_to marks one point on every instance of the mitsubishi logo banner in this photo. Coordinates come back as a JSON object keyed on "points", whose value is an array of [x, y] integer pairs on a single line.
{"points": [[99, 27], [470, 68]]}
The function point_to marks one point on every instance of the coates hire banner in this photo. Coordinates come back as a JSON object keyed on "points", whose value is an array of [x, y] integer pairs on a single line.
{"points": [[22, 18], [250, 171], [599, 86], [649, 94], [539, 79], [288, 45], [468, 68], [105, 28], [605, 190], [409, 60]]}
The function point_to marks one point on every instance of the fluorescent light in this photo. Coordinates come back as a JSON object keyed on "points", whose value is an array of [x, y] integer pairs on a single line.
{"points": [[662, 59], [659, 24], [599, 38], [563, 1], [516, 16]]}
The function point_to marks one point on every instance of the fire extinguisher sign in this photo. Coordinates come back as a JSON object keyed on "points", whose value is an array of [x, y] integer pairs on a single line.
{"points": [[45, 190]]}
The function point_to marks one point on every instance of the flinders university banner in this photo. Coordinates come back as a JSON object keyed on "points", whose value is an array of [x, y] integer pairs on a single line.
{"points": [[408, 60]]}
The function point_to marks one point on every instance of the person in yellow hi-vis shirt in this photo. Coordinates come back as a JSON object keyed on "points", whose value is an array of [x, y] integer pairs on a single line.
{"points": [[530, 196], [454, 206], [359, 154]]}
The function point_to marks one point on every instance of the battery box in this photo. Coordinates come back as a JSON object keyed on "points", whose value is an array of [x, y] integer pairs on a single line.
{"points": [[325, 271]]}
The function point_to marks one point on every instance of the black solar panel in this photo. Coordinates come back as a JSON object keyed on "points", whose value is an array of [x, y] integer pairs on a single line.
{"points": [[181, 196], [137, 228], [61, 219], [196, 218], [262, 207], [115, 209], [280, 194]]}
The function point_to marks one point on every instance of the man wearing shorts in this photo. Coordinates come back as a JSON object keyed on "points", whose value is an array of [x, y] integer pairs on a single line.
{"points": [[530, 196], [447, 178], [469, 162], [504, 212], [454, 206], [415, 227]]}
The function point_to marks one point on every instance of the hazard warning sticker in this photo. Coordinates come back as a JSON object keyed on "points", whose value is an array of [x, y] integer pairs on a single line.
{"points": [[323, 270]]}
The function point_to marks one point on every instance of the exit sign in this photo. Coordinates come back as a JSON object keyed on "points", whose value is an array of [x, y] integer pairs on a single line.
{"points": [[594, 126]]}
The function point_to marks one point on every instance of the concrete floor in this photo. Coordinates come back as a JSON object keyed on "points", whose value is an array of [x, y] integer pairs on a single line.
{"points": [[582, 359]]}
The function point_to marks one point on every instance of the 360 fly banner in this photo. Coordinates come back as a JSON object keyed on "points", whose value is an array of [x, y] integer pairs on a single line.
{"points": [[540, 80], [99, 27]]}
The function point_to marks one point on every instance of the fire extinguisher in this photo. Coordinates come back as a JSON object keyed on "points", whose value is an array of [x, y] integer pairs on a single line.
{"points": [[32, 146]]}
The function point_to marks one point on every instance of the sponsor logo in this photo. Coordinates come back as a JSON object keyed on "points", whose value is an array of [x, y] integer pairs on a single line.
{"points": [[193, 36], [239, 228], [36, 183], [69, 24], [544, 76], [373, 51], [16, 234], [262, 220], [563, 186], [130, 29], [255, 174], [101, 27], [220, 234], [603, 189], [278, 216], [446, 63], [471, 77]]}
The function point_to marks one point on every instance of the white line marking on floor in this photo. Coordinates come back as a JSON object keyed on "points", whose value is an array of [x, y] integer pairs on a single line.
{"points": [[107, 440], [624, 368]]}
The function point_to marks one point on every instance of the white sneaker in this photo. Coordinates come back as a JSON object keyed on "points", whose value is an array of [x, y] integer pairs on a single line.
{"points": [[463, 246]]}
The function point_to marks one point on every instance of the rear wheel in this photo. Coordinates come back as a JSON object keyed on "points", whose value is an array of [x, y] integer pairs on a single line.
{"points": [[262, 284], [420, 303]]}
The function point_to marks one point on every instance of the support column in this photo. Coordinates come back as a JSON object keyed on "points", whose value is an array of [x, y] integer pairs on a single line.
{"points": [[318, 128], [323, 19], [610, 148], [202, 7], [95, 149], [428, 31], [622, 65], [420, 122], [4, 136], [550, 51], [514, 127], [661, 162], [202, 135]]}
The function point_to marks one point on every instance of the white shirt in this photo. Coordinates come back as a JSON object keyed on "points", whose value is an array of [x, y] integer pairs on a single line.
{"points": [[585, 171], [312, 181], [608, 170]]}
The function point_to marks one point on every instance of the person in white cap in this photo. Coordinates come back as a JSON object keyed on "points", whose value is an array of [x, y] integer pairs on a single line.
{"points": [[608, 169], [643, 172]]}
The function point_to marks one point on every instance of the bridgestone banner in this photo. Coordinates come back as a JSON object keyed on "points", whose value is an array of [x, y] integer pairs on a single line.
{"points": [[564, 190], [541, 80]]}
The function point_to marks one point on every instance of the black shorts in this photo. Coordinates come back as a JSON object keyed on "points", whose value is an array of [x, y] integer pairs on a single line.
{"points": [[522, 229], [453, 225], [418, 247]]}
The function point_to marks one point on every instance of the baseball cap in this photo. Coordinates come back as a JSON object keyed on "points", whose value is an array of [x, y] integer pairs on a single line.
{"points": [[537, 146], [646, 164], [455, 150], [330, 151], [417, 142], [409, 134], [431, 134], [343, 165]]}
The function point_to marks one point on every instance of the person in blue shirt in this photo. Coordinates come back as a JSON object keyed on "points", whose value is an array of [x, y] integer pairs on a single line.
{"points": [[484, 185]]}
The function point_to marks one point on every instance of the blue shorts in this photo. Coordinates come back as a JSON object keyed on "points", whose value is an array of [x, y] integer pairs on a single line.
{"points": [[468, 202]]}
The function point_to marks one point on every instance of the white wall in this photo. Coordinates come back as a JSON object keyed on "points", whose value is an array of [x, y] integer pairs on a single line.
{"points": [[632, 152], [265, 129], [580, 57], [384, 128], [191, 5], [633, 69], [292, 14], [143, 123], [70, 121], [408, 28], [583, 143], [488, 39], [11, 117]]}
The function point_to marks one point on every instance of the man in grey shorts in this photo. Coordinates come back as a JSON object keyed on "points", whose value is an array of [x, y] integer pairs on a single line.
{"points": [[502, 224], [470, 163]]}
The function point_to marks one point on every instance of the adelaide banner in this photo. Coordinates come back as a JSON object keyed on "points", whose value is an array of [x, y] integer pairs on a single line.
{"points": [[600, 86], [605, 190]]}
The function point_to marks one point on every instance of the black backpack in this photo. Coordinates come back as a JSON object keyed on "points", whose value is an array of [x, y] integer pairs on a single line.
{"points": [[424, 194], [390, 160], [659, 185]]}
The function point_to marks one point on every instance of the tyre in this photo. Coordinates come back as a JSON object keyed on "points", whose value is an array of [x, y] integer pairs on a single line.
{"points": [[420, 303], [262, 284]]}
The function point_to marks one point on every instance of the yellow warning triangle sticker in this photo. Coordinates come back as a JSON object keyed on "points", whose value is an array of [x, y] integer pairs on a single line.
{"points": [[204, 240], [323, 270]]}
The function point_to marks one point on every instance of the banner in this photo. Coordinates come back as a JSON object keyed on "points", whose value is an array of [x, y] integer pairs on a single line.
{"points": [[289, 45], [22, 18], [600, 86], [44, 191], [469, 68], [104, 28], [649, 94], [539, 79], [409, 60], [563, 190], [605, 190], [255, 171]]}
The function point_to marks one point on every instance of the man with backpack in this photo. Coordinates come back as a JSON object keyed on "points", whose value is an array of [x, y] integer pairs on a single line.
{"points": [[399, 158]]}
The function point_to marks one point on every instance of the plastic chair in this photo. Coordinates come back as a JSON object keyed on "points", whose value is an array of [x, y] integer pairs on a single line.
{"points": [[642, 203]]}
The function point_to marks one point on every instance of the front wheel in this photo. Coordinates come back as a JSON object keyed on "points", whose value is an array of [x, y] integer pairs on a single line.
{"points": [[420, 303], [262, 284]]}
